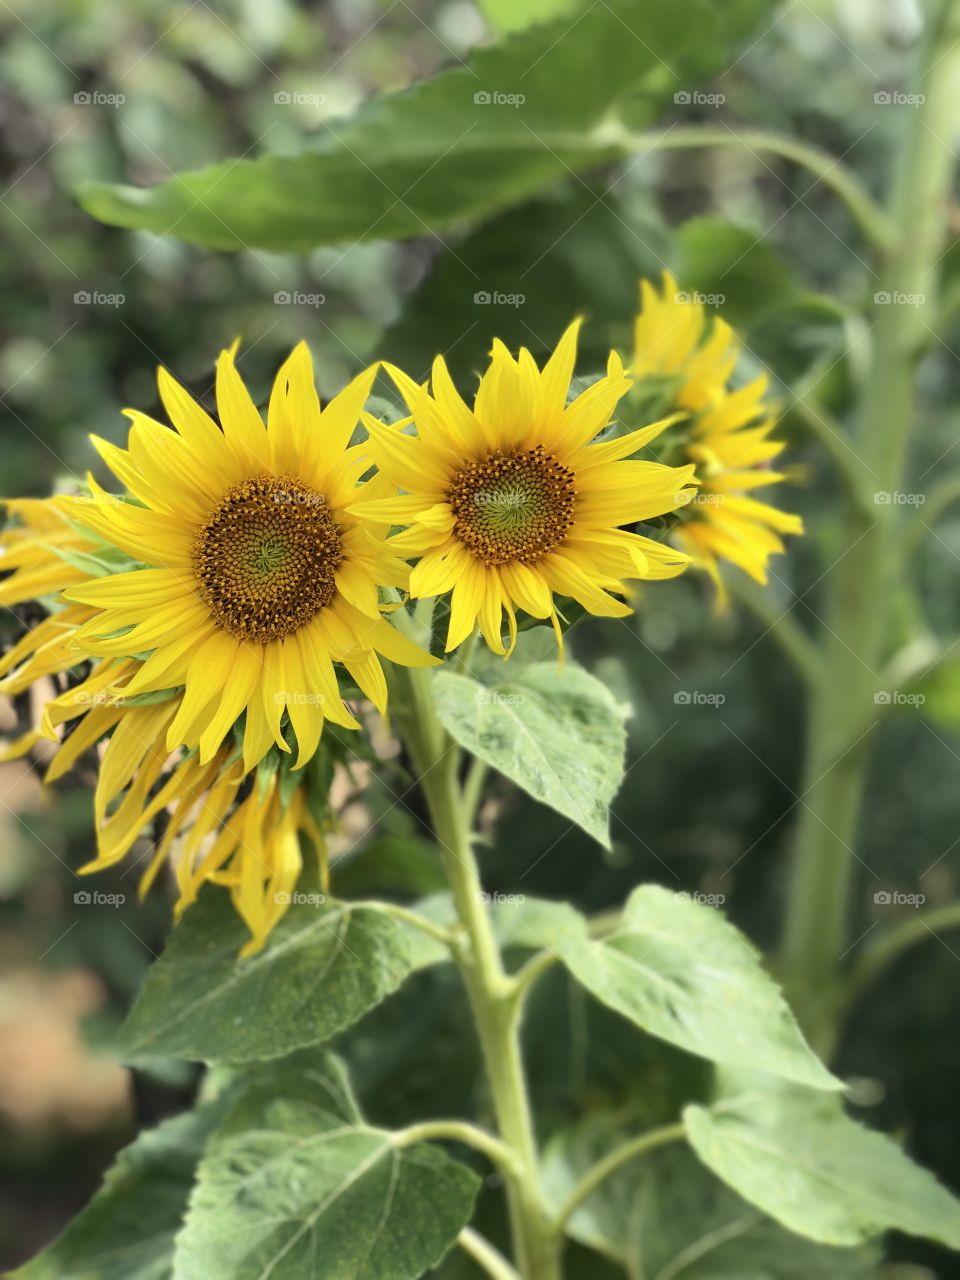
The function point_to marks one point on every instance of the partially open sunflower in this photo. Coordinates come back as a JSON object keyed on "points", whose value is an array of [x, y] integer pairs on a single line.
{"points": [[728, 434]]}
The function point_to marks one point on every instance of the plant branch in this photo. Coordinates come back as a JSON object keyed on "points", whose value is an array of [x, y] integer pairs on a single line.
{"points": [[821, 424], [891, 945], [828, 169], [473, 789], [470, 1135], [615, 1160], [483, 1253], [438, 931], [939, 500], [527, 975], [787, 633]]}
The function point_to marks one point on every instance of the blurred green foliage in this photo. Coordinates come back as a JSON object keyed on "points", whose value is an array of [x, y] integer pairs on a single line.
{"points": [[710, 792]]}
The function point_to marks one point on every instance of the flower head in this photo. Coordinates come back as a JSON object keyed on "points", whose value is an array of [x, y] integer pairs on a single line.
{"points": [[193, 624], [253, 576], [691, 360], [512, 503]]}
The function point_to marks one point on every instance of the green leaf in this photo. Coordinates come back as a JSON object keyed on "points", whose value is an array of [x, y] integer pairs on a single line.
{"points": [[324, 966], [534, 924], [517, 117], [736, 265], [665, 1215], [556, 732], [514, 15], [527, 924], [295, 1184], [937, 694], [681, 971], [127, 1230], [801, 1159]]}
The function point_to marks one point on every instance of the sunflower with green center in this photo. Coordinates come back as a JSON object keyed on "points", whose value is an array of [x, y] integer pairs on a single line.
{"points": [[514, 503], [257, 575], [691, 360]]}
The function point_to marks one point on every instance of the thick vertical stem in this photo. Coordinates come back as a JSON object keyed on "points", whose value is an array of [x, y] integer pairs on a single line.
{"points": [[860, 586], [490, 989]]}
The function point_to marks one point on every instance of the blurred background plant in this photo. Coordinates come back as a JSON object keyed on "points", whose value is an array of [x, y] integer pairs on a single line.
{"points": [[137, 93]]}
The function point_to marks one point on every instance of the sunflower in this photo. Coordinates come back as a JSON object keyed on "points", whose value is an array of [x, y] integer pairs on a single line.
{"points": [[248, 575], [202, 611], [509, 505], [689, 361]]}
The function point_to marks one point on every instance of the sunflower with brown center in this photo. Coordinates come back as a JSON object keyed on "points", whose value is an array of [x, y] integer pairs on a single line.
{"points": [[256, 577], [514, 502]]}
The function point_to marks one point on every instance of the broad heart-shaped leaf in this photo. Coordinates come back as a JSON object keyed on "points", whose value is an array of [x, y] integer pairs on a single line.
{"points": [[682, 972], [296, 1185], [798, 1156], [556, 732], [472, 140], [324, 966], [127, 1230], [664, 1215]]}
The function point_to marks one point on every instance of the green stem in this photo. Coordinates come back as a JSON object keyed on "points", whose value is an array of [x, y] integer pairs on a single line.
{"points": [[860, 585], [486, 1256], [888, 948], [490, 989], [470, 1135], [416, 921], [831, 435], [784, 630], [827, 168], [939, 500], [615, 1160]]}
